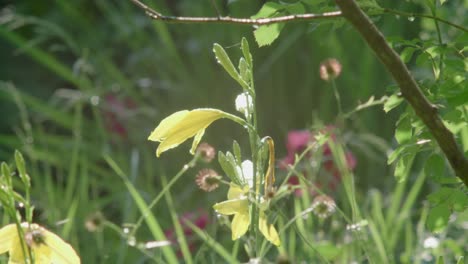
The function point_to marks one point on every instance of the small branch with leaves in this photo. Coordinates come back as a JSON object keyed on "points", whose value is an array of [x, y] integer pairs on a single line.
{"points": [[233, 20], [410, 90]]}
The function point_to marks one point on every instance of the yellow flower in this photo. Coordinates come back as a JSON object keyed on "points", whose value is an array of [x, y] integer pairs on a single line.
{"points": [[46, 247], [180, 126], [238, 205]]}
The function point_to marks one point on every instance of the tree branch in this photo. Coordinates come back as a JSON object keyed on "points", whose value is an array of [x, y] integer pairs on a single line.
{"points": [[408, 86], [233, 20]]}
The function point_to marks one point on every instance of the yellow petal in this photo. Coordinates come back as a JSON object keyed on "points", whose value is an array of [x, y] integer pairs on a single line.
{"points": [[235, 191], [196, 140], [7, 235], [268, 231], [43, 255], [234, 206], [240, 224], [52, 249], [181, 126], [62, 252], [160, 133], [16, 251]]}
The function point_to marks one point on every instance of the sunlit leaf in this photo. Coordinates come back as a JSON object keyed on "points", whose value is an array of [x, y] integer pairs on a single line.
{"points": [[225, 61], [265, 35], [407, 53], [438, 218], [268, 9], [392, 102], [404, 130], [228, 167], [403, 166], [246, 52]]}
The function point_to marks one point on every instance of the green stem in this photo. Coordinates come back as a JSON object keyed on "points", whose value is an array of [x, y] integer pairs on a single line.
{"points": [[184, 169], [337, 97], [253, 138], [240, 121]]}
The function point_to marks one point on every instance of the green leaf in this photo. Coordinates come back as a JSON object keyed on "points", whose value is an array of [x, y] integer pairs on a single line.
{"points": [[404, 130], [403, 166], [453, 198], [7, 175], [455, 121], [268, 9], [244, 70], [368, 5], [265, 35], [438, 218], [296, 8], [407, 53], [440, 260], [20, 165], [237, 152], [392, 102], [435, 167], [423, 59], [227, 167], [442, 1], [246, 52], [225, 61]]}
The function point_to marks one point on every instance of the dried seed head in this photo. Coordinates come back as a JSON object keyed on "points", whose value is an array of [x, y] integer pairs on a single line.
{"points": [[94, 222], [270, 193], [34, 236], [207, 180], [206, 151], [330, 69], [323, 206]]}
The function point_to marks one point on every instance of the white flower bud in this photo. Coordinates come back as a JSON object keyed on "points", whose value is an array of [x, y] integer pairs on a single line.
{"points": [[244, 103]]}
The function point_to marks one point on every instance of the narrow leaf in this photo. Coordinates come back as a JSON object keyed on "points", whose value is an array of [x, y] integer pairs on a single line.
{"points": [[246, 52]]}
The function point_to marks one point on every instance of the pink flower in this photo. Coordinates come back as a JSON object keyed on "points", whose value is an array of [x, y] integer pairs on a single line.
{"points": [[297, 142], [115, 113]]}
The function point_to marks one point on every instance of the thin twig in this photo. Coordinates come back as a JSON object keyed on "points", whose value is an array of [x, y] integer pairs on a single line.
{"points": [[215, 6], [266, 21], [233, 20], [401, 13], [410, 90]]}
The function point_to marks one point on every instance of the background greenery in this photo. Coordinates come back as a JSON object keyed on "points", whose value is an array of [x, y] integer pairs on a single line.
{"points": [[83, 79]]}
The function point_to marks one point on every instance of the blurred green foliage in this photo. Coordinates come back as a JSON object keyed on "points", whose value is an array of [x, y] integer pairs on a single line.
{"points": [[86, 78]]}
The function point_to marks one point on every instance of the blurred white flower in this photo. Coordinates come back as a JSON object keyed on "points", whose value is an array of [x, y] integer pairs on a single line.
{"points": [[244, 103], [431, 242], [357, 226], [247, 172]]}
